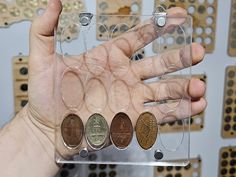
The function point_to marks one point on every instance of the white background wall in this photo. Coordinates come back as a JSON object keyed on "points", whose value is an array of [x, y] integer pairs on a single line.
{"points": [[206, 143]]}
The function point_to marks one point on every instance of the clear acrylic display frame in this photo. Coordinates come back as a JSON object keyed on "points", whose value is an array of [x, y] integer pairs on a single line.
{"points": [[175, 147]]}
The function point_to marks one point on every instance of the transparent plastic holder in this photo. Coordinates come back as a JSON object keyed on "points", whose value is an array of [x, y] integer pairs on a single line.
{"points": [[93, 76]]}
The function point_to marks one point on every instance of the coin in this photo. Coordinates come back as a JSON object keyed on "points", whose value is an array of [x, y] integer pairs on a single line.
{"points": [[72, 130], [121, 130], [96, 131], [146, 130]]}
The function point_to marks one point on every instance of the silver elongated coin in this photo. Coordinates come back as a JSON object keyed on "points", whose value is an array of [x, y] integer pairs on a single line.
{"points": [[96, 131]]}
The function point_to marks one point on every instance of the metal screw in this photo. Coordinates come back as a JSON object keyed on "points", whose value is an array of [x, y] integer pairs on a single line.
{"points": [[160, 19], [158, 155], [85, 18], [83, 153]]}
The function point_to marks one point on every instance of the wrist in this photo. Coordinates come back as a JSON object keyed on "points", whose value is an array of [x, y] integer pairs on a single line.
{"points": [[43, 135], [24, 146]]}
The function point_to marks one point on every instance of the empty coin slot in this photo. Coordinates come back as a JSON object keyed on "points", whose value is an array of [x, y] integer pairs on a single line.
{"points": [[199, 30], [134, 7], [198, 121], [171, 142], [208, 30], [191, 9], [170, 40], [210, 10], [208, 41], [209, 20], [198, 40]]}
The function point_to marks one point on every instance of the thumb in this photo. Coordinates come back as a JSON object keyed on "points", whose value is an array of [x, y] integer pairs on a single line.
{"points": [[42, 30]]}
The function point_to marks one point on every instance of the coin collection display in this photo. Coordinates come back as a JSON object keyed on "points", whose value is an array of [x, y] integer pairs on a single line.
{"points": [[19, 10], [123, 16], [20, 81], [98, 134], [97, 106], [232, 30], [227, 162], [68, 170], [228, 129], [196, 122], [102, 170], [193, 169], [204, 15]]}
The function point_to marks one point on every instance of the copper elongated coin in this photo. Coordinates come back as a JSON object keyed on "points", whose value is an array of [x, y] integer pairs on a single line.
{"points": [[72, 130], [121, 130], [146, 130], [96, 131]]}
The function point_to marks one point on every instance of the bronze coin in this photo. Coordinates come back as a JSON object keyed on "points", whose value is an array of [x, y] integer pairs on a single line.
{"points": [[121, 130], [72, 130], [146, 130]]}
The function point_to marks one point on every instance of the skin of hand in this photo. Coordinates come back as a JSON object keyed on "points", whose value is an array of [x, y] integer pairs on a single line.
{"points": [[107, 63]]}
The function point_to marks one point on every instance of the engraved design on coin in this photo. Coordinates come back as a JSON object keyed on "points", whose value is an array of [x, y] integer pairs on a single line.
{"points": [[96, 131], [121, 131], [146, 130], [72, 131]]}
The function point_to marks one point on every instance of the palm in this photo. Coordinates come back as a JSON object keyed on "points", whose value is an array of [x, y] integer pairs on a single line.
{"points": [[103, 78]]}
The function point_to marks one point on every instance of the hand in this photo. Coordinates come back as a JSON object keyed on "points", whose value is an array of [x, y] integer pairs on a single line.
{"points": [[110, 65]]}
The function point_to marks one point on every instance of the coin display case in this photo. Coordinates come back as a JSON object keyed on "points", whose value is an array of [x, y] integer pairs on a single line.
{"points": [[204, 15], [20, 81], [68, 170], [228, 128], [14, 11], [99, 84], [91, 170], [101, 170], [196, 122], [126, 13], [193, 169], [232, 30], [20, 73], [227, 162]]}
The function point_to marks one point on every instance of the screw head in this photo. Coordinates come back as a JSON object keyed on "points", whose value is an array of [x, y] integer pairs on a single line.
{"points": [[84, 21], [161, 21], [84, 153], [158, 155]]}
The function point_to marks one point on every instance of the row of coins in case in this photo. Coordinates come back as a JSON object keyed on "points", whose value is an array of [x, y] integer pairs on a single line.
{"points": [[98, 134]]}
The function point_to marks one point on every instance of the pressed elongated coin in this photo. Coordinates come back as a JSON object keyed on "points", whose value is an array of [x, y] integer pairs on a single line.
{"points": [[96, 131], [121, 130], [72, 130], [146, 130]]}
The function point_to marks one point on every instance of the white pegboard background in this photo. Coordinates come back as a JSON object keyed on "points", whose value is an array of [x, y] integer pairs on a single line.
{"points": [[206, 143]]}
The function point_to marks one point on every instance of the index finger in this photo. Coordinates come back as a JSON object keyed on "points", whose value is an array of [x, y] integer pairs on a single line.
{"points": [[146, 32]]}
